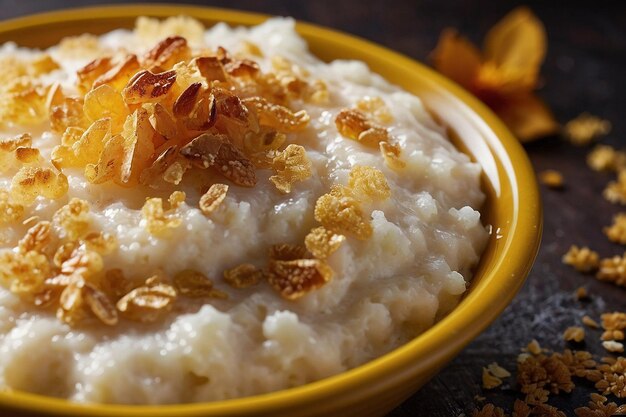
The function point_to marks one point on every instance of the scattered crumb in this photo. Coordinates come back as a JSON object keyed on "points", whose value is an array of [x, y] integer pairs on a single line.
{"points": [[615, 191], [617, 231], [611, 346], [498, 371], [583, 129], [583, 259], [589, 322], [490, 381], [552, 179], [581, 293], [606, 158], [574, 334], [534, 347]]}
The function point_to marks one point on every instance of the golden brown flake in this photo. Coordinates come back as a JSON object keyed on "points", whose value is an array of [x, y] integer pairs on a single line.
{"points": [[86, 149], [290, 166], [74, 218], [138, 146], [322, 242], [613, 377], [277, 116], [391, 154], [109, 163], [69, 112], [243, 276], [88, 74], [340, 212], [597, 407], [606, 158], [585, 128], [552, 178], [376, 108], [104, 101], [157, 221], [23, 273], [583, 259], [498, 371], [294, 279], [210, 68], [574, 334], [22, 102], [369, 183], [31, 182], [146, 87], [159, 166], [166, 53], [37, 238], [27, 155], [161, 120], [353, 124], [216, 151], [71, 309], [490, 381], [534, 347], [100, 305], [120, 73], [148, 29], [186, 101], [489, 410], [115, 284], [212, 199], [192, 283], [147, 303]]}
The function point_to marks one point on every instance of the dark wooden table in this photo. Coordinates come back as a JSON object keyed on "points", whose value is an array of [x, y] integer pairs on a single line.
{"points": [[584, 71]]}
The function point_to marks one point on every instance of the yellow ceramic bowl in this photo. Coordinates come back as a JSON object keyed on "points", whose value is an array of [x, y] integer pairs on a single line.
{"points": [[512, 207]]}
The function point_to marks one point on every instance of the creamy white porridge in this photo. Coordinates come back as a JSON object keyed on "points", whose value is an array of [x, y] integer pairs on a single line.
{"points": [[106, 298]]}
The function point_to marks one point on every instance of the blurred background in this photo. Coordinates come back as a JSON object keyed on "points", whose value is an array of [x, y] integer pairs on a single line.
{"points": [[583, 71]]}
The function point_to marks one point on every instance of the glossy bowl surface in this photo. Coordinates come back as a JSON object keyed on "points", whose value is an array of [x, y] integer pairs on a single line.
{"points": [[512, 208]]}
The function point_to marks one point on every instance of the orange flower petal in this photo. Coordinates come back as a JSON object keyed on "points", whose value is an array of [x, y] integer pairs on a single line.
{"points": [[517, 46], [528, 118], [456, 57]]}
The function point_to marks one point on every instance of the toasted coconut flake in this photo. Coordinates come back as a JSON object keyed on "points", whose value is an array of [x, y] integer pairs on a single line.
{"points": [[88, 74], [322, 242], [146, 87], [340, 212], [369, 183], [161, 120], [212, 199], [243, 276], [157, 221], [216, 151], [294, 279], [159, 166], [192, 283], [186, 101], [120, 73], [31, 182], [290, 165], [276, 116], [166, 53], [37, 238], [138, 146], [211, 68], [147, 303]]}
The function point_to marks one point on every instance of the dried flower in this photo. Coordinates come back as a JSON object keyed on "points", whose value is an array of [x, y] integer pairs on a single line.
{"points": [[505, 74]]}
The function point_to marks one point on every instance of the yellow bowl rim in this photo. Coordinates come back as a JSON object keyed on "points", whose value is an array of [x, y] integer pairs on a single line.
{"points": [[435, 345]]}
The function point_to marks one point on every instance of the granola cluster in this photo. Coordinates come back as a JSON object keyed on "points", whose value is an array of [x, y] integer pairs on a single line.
{"points": [[176, 113]]}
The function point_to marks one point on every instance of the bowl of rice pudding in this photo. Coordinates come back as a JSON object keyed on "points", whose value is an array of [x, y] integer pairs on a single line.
{"points": [[207, 212]]}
